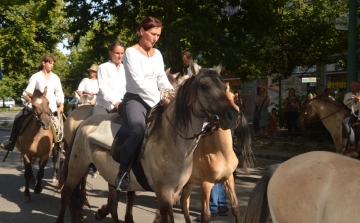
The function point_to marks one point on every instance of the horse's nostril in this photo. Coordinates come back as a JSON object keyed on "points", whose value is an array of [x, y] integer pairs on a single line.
{"points": [[229, 115]]}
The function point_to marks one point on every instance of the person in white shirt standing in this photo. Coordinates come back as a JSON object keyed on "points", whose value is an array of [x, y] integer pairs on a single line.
{"points": [[351, 100], [187, 57], [111, 79], [145, 78], [89, 86], [43, 78]]}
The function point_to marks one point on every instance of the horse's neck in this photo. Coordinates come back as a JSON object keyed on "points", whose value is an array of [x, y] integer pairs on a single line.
{"points": [[330, 115]]}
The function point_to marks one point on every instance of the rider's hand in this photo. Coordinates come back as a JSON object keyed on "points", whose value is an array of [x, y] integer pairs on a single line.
{"points": [[165, 102], [117, 105], [27, 98], [60, 109]]}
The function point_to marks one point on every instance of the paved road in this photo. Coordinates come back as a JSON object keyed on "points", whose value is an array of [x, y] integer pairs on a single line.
{"points": [[44, 207]]}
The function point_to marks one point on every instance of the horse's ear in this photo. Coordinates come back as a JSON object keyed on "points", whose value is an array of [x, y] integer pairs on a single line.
{"points": [[167, 71], [194, 68], [311, 96], [45, 91], [227, 86], [219, 68], [77, 96]]}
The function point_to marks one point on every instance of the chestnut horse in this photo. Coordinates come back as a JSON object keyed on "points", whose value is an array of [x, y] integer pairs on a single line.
{"points": [[168, 149], [331, 113], [36, 141], [314, 187]]}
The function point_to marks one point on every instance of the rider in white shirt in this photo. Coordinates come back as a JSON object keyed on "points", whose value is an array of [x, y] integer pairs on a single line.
{"points": [[89, 85], [111, 79], [187, 58], [351, 100], [40, 80]]}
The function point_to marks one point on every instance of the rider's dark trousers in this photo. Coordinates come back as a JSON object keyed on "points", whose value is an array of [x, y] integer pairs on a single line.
{"points": [[134, 114], [19, 118], [347, 122]]}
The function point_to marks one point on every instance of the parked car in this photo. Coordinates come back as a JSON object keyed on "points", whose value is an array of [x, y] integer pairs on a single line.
{"points": [[9, 102]]}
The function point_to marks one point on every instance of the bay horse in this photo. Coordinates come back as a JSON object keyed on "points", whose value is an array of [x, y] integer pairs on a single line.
{"points": [[312, 187], [168, 150], [331, 113], [36, 141]]}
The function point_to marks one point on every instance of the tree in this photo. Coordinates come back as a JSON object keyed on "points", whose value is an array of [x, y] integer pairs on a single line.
{"points": [[29, 29], [291, 33]]}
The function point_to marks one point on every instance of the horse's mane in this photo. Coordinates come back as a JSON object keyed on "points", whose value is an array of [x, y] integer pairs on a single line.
{"points": [[185, 98], [334, 102]]}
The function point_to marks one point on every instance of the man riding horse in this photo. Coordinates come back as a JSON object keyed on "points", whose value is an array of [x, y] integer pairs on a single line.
{"points": [[44, 78], [351, 100]]}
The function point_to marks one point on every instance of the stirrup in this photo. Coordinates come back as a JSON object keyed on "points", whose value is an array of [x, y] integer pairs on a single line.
{"points": [[118, 182], [2, 146]]}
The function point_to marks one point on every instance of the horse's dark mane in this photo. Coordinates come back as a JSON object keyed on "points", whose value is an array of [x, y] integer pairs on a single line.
{"points": [[185, 98]]}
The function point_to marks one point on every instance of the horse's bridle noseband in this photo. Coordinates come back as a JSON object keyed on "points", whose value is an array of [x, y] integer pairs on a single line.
{"points": [[37, 116]]}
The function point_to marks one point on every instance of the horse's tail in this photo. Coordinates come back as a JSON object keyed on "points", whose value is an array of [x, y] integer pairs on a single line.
{"points": [[257, 210], [244, 138]]}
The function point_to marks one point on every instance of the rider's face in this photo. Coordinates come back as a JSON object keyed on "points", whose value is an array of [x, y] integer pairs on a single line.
{"points": [[354, 86]]}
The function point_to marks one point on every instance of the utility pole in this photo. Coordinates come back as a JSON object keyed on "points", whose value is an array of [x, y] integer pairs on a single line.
{"points": [[351, 64]]}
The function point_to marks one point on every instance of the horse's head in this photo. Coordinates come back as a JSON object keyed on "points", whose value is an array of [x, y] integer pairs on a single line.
{"points": [[307, 115], [204, 96], [41, 108]]}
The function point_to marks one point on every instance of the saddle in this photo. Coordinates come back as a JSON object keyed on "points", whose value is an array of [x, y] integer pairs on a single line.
{"points": [[109, 129]]}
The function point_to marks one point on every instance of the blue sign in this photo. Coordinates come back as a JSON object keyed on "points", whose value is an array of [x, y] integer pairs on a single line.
{"points": [[0, 73]]}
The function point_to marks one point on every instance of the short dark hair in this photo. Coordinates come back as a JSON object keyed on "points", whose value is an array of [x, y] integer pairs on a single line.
{"points": [[46, 58], [273, 109], [114, 44], [147, 23], [327, 89]]}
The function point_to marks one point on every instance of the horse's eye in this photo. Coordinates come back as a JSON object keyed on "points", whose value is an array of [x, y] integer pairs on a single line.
{"points": [[204, 87]]}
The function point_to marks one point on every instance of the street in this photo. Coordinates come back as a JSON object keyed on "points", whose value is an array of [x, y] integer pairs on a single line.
{"points": [[44, 206]]}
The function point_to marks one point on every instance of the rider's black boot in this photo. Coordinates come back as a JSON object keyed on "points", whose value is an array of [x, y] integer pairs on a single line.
{"points": [[122, 181]]}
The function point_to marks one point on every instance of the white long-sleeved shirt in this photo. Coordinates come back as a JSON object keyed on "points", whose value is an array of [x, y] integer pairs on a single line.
{"points": [[348, 101], [111, 85], [88, 86], [189, 69], [145, 76], [54, 94]]}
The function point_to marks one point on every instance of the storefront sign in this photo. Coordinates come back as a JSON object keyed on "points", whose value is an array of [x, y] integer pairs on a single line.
{"points": [[308, 79], [336, 84]]}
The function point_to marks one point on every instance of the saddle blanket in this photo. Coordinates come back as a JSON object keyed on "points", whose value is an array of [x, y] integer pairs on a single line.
{"points": [[105, 133]]}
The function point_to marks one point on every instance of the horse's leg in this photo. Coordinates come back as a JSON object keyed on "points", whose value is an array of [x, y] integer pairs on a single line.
{"points": [[130, 197], [28, 175], [40, 175], [68, 194], [229, 186], [205, 190], [110, 207], [185, 201], [165, 212], [55, 153]]}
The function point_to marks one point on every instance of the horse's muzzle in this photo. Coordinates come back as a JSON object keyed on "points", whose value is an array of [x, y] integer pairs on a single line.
{"points": [[229, 120]]}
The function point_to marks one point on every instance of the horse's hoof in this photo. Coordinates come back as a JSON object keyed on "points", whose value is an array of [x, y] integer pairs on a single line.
{"points": [[38, 189], [27, 199], [99, 215]]}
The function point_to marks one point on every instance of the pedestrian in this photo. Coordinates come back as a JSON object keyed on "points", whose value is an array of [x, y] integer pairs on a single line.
{"points": [[327, 93], [351, 100], [111, 80], [273, 123], [89, 86], [238, 101], [218, 203], [263, 102], [43, 78], [145, 78], [291, 105], [187, 57]]}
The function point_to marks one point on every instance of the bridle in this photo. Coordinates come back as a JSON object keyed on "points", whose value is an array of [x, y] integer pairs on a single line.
{"points": [[37, 116]]}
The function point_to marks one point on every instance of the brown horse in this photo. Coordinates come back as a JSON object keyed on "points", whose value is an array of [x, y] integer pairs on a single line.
{"points": [[36, 141], [313, 187], [331, 113], [168, 150]]}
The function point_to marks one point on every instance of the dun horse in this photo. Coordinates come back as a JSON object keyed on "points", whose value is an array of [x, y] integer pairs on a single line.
{"points": [[215, 161], [331, 113], [313, 187], [36, 141], [167, 150]]}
